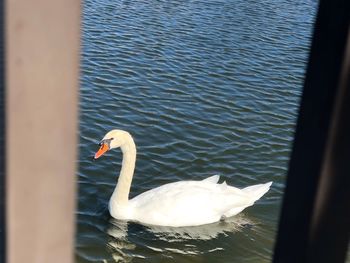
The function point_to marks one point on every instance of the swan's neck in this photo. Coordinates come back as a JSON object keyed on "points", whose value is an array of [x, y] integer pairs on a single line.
{"points": [[120, 195]]}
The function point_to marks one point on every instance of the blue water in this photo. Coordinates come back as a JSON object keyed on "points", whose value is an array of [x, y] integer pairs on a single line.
{"points": [[204, 87]]}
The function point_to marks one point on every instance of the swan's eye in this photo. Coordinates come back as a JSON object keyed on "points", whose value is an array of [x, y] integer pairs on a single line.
{"points": [[106, 141]]}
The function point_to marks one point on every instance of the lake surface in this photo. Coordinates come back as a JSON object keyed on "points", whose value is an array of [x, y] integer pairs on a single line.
{"points": [[204, 87]]}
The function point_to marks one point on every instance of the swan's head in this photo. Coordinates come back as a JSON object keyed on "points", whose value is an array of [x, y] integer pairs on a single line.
{"points": [[113, 139]]}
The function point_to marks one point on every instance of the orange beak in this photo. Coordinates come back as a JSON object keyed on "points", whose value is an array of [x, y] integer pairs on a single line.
{"points": [[104, 148]]}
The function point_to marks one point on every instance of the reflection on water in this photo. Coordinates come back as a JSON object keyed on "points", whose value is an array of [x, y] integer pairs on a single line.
{"points": [[173, 237], [118, 229]]}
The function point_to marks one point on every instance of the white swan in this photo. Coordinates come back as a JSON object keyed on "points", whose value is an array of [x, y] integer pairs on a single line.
{"points": [[184, 203]]}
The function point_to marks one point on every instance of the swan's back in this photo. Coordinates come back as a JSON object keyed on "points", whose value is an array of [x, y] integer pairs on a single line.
{"points": [[190, 203]]}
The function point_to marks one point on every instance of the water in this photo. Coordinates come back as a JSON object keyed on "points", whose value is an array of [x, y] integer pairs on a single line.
{"points": [[205, 87]]}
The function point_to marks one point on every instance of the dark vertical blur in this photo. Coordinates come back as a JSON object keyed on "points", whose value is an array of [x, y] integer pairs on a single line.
{"points": [[314, 224], [2, 134], [329, 233]]}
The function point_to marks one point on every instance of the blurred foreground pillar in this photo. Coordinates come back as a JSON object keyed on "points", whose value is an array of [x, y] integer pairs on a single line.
{"points": [[42, 67], [314, 224]]}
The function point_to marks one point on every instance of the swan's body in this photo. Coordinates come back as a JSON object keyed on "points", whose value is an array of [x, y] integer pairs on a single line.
{"points": [[184, 203]]}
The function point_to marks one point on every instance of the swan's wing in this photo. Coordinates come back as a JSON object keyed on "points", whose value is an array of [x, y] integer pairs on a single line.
{"points": [[212, 179], [187, 203]]}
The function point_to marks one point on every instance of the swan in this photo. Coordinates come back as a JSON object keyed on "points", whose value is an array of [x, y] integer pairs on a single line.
{"points": [[177, 204]]}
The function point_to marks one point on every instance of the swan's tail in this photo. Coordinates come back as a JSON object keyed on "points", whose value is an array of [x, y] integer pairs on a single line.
{"points": [[258, 190], [254, 192]]}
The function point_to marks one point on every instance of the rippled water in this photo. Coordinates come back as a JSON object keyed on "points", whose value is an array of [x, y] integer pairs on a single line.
{"points": [[205, 87]]}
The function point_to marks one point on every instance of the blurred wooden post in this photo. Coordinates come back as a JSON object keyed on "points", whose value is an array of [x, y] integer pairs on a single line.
{"points": [[2, 136], [42, 67]]}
